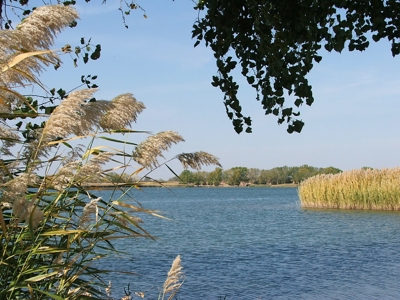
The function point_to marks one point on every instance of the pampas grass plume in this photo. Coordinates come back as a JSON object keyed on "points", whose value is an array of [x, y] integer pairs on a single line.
{"points": [[174, 280]]}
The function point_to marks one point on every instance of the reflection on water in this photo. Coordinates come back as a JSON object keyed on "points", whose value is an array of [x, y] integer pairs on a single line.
{"points": [[257, 243]]}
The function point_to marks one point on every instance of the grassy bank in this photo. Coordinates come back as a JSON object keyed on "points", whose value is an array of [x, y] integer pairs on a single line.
{"points": [[357, 189]]}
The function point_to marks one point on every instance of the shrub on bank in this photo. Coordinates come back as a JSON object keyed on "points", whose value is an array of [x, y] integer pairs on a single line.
{"points": [[356, 189]]}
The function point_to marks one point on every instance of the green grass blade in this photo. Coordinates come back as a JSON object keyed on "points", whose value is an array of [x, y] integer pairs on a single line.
{"points": [[172, 171], [40, 277], [49, 294], [62, 232], [117, 141]]}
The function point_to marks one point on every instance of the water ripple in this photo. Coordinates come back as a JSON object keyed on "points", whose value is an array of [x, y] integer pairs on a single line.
{"points": [[247, 243]]}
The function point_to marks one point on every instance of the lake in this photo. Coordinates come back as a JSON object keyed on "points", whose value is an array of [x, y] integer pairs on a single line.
{"points": [[258, 243]]}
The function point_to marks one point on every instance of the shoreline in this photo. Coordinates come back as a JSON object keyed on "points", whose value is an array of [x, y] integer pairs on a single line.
{"points": [[177, 184]]}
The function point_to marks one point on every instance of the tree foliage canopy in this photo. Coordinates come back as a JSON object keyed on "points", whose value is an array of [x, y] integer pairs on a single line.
{"points": [[275, 43]]}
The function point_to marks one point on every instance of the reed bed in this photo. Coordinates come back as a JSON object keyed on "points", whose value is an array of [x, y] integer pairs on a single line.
{"points": [[357, 189]]}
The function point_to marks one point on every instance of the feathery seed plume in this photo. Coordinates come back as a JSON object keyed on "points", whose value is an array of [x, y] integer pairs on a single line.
{"points": [[96, 110], [17, 187], [27, 211], [71, 117], [36, 32], [197, 159], [45, 23], [89, 210], [8, 137], [65, 175], [122, 112], [20, 206], [74, 171], [147, 152], [93, 167], [174, 280], [8, 168], [35, 215]]}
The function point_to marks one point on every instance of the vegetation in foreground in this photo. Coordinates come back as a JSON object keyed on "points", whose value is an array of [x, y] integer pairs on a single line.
{"points": [[53, 231], [357, 189]]}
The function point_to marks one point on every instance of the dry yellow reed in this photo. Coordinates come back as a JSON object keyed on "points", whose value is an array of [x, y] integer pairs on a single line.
{"points": [[356, 189], [174, 280]]}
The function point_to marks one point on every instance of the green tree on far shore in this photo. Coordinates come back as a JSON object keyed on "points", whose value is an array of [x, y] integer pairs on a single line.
{"points": [[304, 172], [200, 178], [242, 175], [215, 177], [330, 170], [236, 175], [186, 177]]}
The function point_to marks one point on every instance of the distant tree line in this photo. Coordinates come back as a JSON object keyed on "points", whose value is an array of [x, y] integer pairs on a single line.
{"points": [[112, 177], [242, 175]]}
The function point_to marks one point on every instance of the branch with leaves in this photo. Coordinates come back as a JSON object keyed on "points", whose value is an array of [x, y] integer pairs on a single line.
{"points": [[275, 44]]}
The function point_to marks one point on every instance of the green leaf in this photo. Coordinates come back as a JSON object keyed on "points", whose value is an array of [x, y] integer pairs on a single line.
{"points": [[62, 232], [117, 141], [287, 111], [172, 171], [40, 277], [215, 81], [73, 24], [250, 79], [67, 145], [298, 125], [62, 93], [317, 58], [53, 296], [298, 102], [86, 58], [280, 100], [96, 54], [49, 109], [309, 101], [376, 37]]}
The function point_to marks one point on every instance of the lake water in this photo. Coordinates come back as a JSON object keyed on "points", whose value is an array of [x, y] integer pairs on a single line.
{"points": [[258, 243]]}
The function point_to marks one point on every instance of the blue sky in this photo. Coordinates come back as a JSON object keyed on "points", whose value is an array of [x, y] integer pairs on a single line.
{"points": [[354, 121]]}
